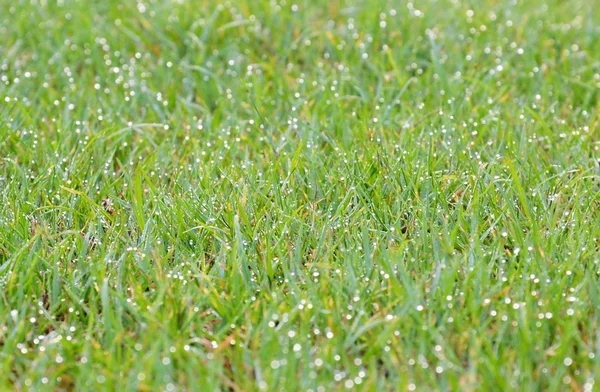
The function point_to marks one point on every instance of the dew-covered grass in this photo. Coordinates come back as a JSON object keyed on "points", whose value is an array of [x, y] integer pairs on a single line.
{"points": [[314, 196]]}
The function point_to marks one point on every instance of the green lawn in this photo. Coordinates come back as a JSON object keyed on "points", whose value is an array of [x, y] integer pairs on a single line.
{"points": [[328, 195]]}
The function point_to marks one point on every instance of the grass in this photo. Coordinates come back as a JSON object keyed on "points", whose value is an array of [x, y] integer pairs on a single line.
{"points": [[246, 195]]}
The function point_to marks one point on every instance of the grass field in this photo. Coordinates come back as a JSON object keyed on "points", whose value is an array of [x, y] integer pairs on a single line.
{"points": [[319, 196]]}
